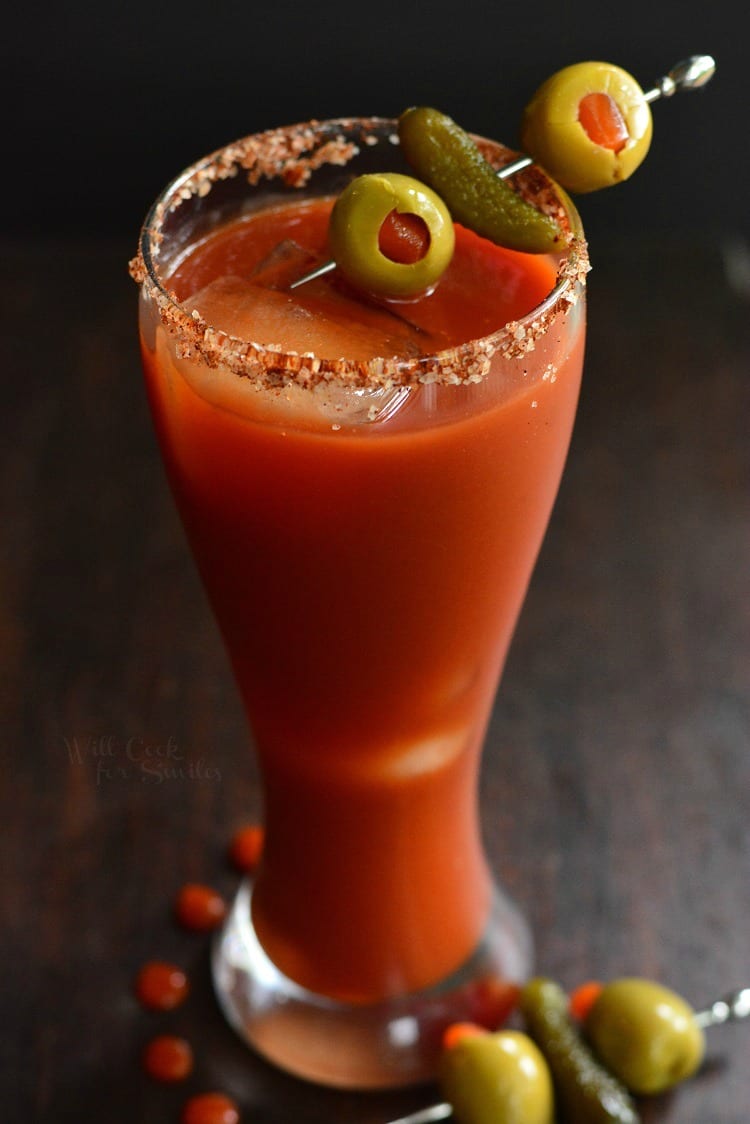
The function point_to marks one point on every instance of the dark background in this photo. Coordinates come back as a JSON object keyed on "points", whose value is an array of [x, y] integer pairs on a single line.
{"points": [[103, 104]]}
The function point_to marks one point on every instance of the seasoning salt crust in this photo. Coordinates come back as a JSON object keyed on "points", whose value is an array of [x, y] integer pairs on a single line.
{"points": [[290, 156]]}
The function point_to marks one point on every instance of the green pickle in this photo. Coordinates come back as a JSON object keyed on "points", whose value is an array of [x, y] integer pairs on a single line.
{"points": [[585, 1091], [446, 157]]}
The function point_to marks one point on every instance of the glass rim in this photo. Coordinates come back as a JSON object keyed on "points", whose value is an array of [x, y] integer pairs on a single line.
{"points": [[291, 154]]}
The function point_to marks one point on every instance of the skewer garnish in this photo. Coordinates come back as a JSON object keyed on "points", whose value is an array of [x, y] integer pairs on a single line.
{"points": [[675, 1044], [599, 117]]}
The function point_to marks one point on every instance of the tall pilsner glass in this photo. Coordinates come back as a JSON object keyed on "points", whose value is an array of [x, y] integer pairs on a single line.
{"points": [[365, 533]]}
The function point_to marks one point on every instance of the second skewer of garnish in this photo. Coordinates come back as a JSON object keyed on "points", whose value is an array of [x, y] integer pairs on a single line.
{"points": [[635, 1036]]}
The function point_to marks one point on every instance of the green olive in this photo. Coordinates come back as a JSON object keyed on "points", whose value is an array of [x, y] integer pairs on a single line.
{"points": [[581, 158], [497, 1077], [645, 1034], [354, 231]]}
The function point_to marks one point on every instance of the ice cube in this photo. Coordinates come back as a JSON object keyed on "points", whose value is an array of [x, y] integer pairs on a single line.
{"points": [[286, 263], [263, 315], [324, 318], [356, 405], [316, 320]]}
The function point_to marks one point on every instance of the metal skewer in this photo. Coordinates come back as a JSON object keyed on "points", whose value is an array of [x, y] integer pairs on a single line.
{"points": [[731, 1007], [426, 1115], [735, 1005], [690, 74]]}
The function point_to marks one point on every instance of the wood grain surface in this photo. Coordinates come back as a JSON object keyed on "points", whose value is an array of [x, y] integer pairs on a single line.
{"points": [[616, 784]]}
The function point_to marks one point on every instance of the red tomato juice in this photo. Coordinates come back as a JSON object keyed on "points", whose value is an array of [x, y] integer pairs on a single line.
{"points": [[366, 579]]}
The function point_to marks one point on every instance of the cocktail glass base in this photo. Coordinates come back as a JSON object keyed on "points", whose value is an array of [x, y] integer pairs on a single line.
{"points": [[390, 1043]]}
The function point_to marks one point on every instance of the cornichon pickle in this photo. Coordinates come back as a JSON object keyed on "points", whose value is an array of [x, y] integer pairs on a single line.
{"points": [[446, 157], [585, 1091]]}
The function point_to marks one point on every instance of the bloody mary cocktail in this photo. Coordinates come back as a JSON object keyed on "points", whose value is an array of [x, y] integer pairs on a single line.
{"points": [[365, 487]]}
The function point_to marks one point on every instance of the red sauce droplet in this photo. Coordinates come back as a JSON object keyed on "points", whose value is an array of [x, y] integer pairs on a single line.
{"points": [[494, 1001], [246, 847], [210, 1108], [600, 116], [404, 238], [161, 986], [200, 908], [168, 1058]]}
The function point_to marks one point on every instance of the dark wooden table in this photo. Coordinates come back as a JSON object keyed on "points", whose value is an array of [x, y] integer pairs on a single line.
{"points": [[616, 781]]}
